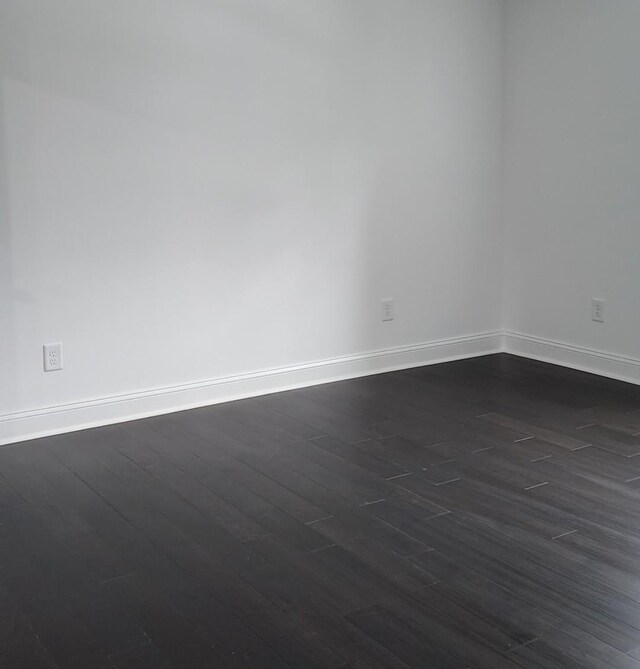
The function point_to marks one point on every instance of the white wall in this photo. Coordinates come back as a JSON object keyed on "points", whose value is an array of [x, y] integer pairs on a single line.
{"points": [[572, 180], [198, 189]]}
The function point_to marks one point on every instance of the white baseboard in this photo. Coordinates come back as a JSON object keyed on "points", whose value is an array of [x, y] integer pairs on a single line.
{"points": [[576, 357], [108, 410]]}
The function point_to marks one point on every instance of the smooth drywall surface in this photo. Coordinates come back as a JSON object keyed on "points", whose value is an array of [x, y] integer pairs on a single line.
{"points": [[194, 189], [572, 176]]}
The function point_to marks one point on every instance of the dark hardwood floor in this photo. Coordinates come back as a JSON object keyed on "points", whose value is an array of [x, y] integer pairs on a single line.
{"points": [[483, 513]]}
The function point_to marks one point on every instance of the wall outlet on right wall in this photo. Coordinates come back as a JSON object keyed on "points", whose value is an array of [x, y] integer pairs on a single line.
{"points": [[597, 310]]}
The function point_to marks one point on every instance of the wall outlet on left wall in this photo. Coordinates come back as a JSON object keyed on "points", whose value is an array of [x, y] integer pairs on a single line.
{"points": [[52, 354]]}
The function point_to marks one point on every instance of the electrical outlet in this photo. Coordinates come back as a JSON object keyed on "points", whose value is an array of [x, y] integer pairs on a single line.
{"points": [[388, 311], [597, 310], [52, 357]]}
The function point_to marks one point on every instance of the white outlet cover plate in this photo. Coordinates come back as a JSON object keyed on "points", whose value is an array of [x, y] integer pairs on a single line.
{"points": [[52, 355], [388, 311], [597, 310]]}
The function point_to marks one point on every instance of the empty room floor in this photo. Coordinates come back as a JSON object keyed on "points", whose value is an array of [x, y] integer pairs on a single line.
{"points": [[482, 513]]}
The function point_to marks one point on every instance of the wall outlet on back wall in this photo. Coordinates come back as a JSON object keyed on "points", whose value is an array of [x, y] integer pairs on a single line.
{"points": [[597, 310], [388, 310]]}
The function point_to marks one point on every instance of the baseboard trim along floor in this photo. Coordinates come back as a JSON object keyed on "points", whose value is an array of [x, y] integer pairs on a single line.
{"points": [[75, 416], [44, 421], [584, 359]]}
